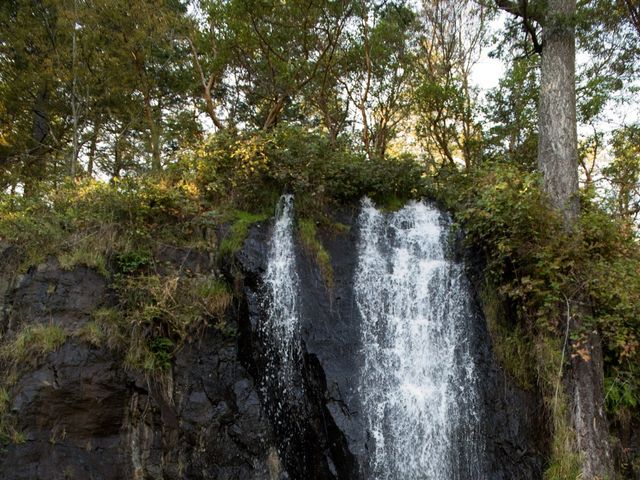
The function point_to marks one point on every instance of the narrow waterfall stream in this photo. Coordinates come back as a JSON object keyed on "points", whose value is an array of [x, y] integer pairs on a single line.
{"points": [[282, 382], [282, 292], [418, 386]]}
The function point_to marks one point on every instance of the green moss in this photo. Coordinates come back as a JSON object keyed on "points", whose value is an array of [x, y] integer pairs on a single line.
{"points": [[564, 462], [32, 342], [8, 432], [311, 243], [511, 344], [241, 221]]}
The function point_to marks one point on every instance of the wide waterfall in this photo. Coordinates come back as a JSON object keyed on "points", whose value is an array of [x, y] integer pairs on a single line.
{"points": [[418, 386]]}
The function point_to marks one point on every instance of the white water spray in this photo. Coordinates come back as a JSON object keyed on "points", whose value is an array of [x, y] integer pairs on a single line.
{"points": [[282, 291], [279, 329], [418, 386]]}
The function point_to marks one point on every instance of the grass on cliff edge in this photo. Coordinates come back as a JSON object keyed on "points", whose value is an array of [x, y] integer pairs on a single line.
{"points": [[32, 342], [91, 222]]}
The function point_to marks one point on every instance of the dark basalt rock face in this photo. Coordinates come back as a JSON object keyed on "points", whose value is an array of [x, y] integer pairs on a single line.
{"points": [[326, 439], [514, 423], [84, 416]]}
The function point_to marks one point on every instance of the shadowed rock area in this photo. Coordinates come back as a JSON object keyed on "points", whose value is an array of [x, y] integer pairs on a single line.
{"points": [[83, 415]]}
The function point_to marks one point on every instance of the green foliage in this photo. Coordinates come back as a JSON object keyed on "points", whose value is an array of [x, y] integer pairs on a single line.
{"points": [[160, 355], [623, 172], [540, 267], [133, 261], [33, 342], [543, 273], [98, 224], [313, 245], [512, 109], [252, 170], [621, 391]]}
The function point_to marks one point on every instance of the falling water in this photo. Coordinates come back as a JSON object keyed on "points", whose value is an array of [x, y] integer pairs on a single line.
{"points": [[282, 291], [279, 330], [418, 385]]}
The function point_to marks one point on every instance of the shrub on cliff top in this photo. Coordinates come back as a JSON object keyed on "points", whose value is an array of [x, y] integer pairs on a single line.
{"points": [[254, 168], [541, 270]]}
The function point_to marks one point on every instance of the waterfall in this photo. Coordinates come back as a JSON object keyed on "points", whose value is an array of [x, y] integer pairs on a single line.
{"points": [[418, 385], [279, 330], [282, 291]]}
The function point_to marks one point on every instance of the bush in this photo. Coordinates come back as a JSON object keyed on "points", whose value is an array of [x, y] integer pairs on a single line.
{"points": [[539, 268], [93, 223], [251, 170]]}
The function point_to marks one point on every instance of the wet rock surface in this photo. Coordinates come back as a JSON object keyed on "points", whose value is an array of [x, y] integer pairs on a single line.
{"points": [[83, 415], [513, 419]]}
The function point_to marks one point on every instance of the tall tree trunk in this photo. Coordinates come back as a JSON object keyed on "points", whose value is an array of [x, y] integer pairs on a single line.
{"points": [[558, 144], [93, 146], [558, 162], [74, 95], [587, 392], [35, 163], [154, 135]]}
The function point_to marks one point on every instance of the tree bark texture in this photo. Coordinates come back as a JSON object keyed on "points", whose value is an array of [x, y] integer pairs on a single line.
{"points": [[590, 423], [558, 162], [557, 148]]}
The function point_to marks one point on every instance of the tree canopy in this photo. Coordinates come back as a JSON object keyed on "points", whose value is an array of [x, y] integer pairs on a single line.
{"points": [[178, 108]]}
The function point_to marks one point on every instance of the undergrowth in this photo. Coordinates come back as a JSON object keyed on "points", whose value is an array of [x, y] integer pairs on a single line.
{"points": [[312, 244], [540, 269]]}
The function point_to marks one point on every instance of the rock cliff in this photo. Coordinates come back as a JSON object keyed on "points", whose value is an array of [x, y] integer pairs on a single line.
{"points": [[81, 414]]}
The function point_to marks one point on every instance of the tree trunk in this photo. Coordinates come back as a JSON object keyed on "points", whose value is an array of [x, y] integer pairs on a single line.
{"points": [[274, 113], [558, 162], [35, 162], [74, 95], [92, 148], [154, 135], [558, 144], [587, 391]]}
